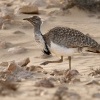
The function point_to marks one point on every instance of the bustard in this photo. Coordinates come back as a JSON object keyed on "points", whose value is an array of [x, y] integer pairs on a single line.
{"points": [[62, 41]]}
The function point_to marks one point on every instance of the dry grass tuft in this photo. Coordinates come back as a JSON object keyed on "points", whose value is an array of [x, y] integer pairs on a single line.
{"points": [[95, 72], [89, 5]]}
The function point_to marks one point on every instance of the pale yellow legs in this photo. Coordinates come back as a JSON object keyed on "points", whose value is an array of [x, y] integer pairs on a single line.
{"points": [[58, 61], [69, 58]]}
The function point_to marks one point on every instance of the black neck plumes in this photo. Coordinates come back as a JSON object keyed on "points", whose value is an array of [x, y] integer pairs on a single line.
{"points": [[37, 31], [46, 50]]}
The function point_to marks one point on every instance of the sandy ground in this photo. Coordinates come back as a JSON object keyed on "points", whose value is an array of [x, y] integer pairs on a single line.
{"points": [[82, 62]]}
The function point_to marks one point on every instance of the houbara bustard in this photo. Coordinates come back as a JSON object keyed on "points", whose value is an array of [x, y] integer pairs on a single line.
{"points": [[62, 41]]}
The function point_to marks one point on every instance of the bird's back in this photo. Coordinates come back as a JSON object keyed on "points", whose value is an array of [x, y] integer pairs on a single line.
{"points": [[70, 38]]}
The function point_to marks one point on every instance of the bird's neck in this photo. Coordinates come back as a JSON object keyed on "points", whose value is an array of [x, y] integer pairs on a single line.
{"points": [[37, 29], [38, 35], [39, 38]]}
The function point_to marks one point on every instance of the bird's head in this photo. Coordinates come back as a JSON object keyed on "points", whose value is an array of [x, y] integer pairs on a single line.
{"points": [[35, 20]]}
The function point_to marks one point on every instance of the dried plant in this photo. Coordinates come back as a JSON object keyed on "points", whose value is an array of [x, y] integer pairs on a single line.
{"points": [[95, 72], [89, 5]]}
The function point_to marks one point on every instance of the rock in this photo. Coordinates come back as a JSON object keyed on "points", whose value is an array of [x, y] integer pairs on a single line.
{"points": [[7, 88], [4, 64], [17, 50], [73, 96], [20, 24], [5, 26], [18, 32], [12, 66], [4, 45], [59, 13], [44, 83], [29, 9], [7, 13], [60, 93], [38, 92], [24, 62], [93, 82], [55, 3], [71, 74], [36, 68], [14, 72], [17, 73], [57, 72], [96, 95], [40, 3]]}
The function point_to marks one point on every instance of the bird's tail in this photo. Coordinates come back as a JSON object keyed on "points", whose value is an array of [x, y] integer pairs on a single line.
{"points": [[93, 46], [95, 49]]}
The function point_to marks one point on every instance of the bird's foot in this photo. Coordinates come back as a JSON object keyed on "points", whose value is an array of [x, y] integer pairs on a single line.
{"points": [[44, 63]]}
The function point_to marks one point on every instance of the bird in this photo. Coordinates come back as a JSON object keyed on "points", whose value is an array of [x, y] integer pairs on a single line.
{"points": [[62, 41]]}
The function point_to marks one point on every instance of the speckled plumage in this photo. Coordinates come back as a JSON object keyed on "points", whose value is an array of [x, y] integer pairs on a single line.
{"points": [[62, 40], [70, 38]]}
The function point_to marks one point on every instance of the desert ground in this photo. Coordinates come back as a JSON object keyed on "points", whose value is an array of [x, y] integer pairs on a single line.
{"points": [[21, 75]]}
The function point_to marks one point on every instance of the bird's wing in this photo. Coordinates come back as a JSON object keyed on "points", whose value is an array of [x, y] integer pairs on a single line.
{"points": [[70, 38]]}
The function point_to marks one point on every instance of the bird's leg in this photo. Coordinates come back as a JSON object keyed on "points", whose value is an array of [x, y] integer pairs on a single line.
{"points": [[69, 58], [57, 61]]}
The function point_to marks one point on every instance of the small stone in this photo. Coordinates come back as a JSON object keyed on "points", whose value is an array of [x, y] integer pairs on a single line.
{"points": [[27, 68], [96, 95], [57, 72], [60, 93], [44, 83], [40, 3], [4, 64], [29, 9], [36, 68], [18, 32], [59, 13], [7, 13], [7, 88], [70, 74], [73, 96], [12, 66], [17, 50], [54, 3], [5, 45], [5, 26], [45, 72], [93, 82], [24, 62]]}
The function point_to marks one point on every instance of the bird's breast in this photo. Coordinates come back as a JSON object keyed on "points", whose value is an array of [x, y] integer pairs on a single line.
{"points": [[40, 41], [61, 50]]}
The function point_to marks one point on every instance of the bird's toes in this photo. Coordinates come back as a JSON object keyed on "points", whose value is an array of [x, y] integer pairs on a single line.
{"points": [[44, 63]]}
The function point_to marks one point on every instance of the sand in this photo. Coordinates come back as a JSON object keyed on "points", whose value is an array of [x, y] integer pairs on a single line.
{"points": [[83, 63]]}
